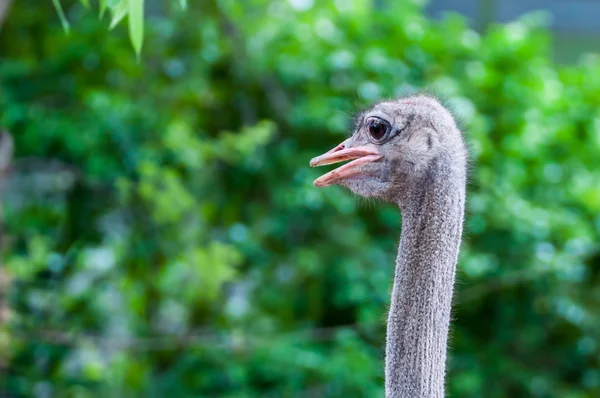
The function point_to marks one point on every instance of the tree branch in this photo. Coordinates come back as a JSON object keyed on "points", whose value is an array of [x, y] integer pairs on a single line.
{"points": [[6, 154], [4, 5]]}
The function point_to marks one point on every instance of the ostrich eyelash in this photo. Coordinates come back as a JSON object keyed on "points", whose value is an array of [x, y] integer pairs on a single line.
{"points": [[357, 122]]}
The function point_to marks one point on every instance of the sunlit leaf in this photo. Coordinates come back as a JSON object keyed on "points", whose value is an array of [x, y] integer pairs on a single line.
{"points": [[61, 15], [118, 13], [86, 3], [102, 4], [136, 24]]}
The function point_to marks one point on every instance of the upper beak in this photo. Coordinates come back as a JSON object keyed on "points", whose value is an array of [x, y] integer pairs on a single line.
{"points": [[362, 155]]}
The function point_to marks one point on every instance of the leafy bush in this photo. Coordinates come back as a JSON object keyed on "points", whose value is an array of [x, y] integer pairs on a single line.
{"points": [[164, 237]]}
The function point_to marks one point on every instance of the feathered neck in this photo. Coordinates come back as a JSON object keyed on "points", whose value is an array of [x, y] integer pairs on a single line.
{"points": [[419, 316]]}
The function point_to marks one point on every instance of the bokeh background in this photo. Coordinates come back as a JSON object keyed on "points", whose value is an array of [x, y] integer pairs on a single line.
{"points": [[162, 237]]}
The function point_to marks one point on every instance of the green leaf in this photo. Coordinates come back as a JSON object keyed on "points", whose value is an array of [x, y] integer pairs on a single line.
{"points": [[112, 5], [86, 3], [183, 4], [61, 15], [118, 13], [136, 24], [102, 4]]}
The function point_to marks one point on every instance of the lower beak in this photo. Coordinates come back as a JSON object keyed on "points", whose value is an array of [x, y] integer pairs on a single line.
{"points": [[361, 154]]}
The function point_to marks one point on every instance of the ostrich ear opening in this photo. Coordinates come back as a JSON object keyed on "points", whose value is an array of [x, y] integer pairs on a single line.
{"points": [[361, 155]]}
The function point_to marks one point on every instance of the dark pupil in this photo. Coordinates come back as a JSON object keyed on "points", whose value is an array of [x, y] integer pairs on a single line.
{"points": [[377, 130]]}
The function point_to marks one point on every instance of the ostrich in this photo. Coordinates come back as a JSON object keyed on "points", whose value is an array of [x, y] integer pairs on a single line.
{"points": [[410, 152]]}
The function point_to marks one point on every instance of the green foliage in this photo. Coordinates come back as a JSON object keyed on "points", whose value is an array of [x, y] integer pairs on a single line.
{"points": [[119, 9], [165, 239], [61, 15]]}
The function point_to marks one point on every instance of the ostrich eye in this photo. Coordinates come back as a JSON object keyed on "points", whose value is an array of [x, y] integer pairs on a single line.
{"points": [[378, 129]]}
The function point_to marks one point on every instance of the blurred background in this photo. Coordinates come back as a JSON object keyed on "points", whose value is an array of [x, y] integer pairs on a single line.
{"points": [[574, 23], [162, 237]]}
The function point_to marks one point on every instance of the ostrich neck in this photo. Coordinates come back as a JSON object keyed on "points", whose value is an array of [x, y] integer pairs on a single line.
{"points": [[419, 315]]}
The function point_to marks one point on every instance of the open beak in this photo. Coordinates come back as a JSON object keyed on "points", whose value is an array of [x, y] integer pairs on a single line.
{"points": [[361, 154]]}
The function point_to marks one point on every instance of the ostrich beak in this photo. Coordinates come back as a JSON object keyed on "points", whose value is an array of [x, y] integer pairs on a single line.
{"points": [[361, 154]]}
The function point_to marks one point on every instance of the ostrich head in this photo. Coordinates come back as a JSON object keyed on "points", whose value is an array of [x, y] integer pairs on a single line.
{"points": [[411, 152], [393, 148]]}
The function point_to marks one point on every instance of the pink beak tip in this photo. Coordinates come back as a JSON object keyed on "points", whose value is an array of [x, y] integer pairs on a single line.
{"points": [[361, 155]]}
